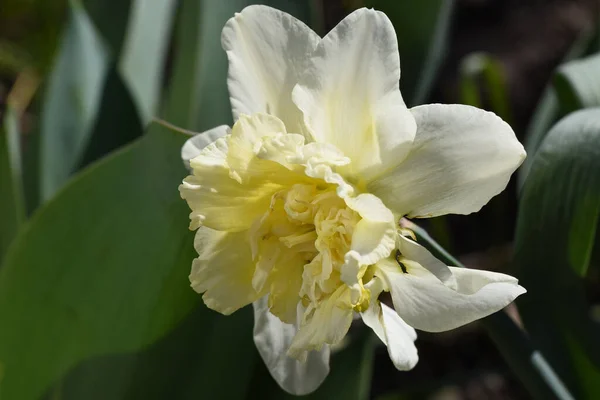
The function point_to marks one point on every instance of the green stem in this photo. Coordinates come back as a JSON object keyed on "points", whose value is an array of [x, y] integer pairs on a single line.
{"points": [[527, 362]]}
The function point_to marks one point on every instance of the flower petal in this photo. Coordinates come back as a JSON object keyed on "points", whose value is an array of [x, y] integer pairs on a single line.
{"points": [[350, 94], [223, 270], [266, 49], [427, 304], [194, 145], [461, 158], [328, 324], [273, 338], [414, 251], [374, 236], [396, 334]]}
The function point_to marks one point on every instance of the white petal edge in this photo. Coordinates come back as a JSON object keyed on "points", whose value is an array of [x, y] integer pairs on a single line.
{"points": [[267, 49], [396, 334], [194, 145], [414, 251], [350, 97], [427, 304], [461, 157], [273, 338]]}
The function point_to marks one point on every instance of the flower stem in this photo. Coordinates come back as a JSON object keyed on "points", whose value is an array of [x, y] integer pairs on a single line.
{"points": [[519, 352]]}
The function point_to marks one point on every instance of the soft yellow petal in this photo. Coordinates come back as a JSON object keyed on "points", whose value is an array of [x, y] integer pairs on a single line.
{"points": [[328, 324], [223, 270]]}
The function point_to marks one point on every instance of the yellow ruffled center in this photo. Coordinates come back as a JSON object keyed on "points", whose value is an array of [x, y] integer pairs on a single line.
{"points": [[307, 225]]}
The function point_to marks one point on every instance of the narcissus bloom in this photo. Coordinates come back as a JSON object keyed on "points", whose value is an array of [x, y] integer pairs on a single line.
{"points": [[297, 206]]}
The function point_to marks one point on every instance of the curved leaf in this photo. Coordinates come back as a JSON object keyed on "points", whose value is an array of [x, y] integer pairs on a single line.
{"points": [[71, 100], [555, 239], [100, 268], [12, 207], [577, 84]]}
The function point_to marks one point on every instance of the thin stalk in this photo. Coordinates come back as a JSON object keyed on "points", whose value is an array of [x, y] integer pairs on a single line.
{"points": [[519, 352]]}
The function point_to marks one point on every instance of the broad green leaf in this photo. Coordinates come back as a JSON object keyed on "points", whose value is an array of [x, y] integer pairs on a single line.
{"points": [[555, 240], [196, 360], [577, 84], [71, 100], [142, 59], [351, 370], [101, 268], [422, 29], [12, 209], [548, 111]]}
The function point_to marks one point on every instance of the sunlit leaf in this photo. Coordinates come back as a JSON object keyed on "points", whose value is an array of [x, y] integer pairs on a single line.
{"points": [[142, 59], [101, 268], [555, 240], [577, 84], [71, 100], [548, 111], [12, 210]]}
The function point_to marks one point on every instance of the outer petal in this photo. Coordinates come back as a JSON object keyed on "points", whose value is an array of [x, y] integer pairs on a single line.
{"points": [[350, 94], [396, 334], [266, 49], [223, 270], [414, 251], [194, 145], [461, 157], [273, 339], [427, 304]]}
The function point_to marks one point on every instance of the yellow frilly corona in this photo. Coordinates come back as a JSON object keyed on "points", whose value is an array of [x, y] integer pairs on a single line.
{"points": [[297, 205]]}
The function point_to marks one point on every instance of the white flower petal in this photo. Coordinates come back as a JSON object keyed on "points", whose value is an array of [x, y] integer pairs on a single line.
{"points": [[194, 145], [374, 236], [273, 338], [350, 94], [461, 157], [223, 270], [396, 334], [427, 304], [267, 49], [414, 251]]}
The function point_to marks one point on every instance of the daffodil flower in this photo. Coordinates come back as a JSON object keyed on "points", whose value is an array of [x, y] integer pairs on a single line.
{"points": [[297, 205]]}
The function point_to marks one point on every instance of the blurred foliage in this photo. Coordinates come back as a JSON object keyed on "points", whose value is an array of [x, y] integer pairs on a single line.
{"points": [[555, 240], [94, 297]]}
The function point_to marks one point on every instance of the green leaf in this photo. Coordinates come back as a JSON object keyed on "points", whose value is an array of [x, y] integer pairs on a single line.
{"points": [[481, 71], [577, 84], [548, 111], [71, 101], [110, 22], [198, 97], [101, 268], [144, 50], [11, 186], [196, 360], [351, 370], [117, 123], [555, 239], [422, 29]]}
